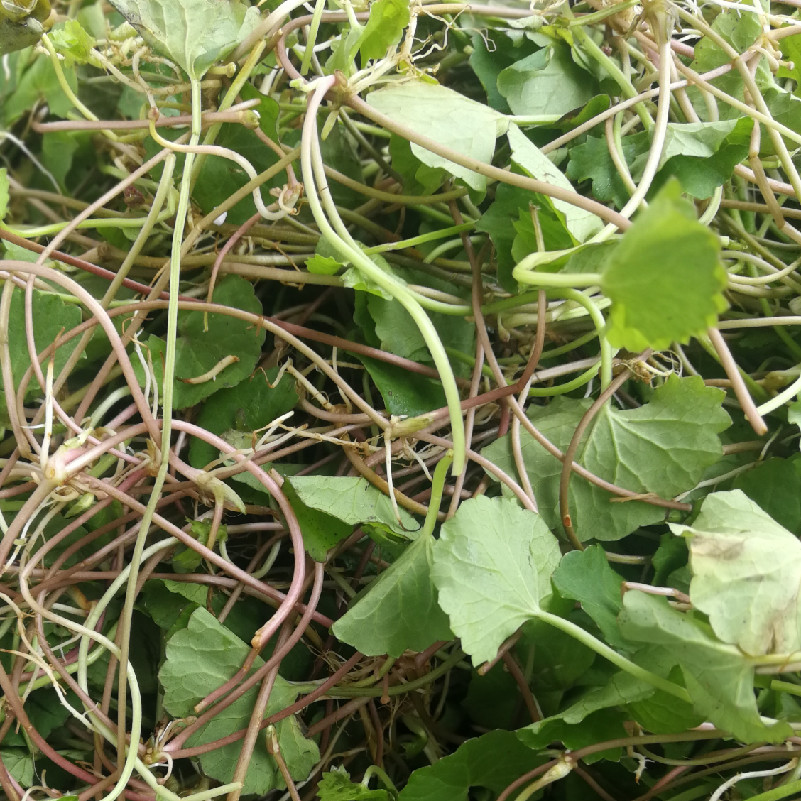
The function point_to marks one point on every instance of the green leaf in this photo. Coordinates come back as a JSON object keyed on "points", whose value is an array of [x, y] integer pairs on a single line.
{"points": [[417, 177], [321, 531], [662, 447], [547, 82], [194, 33], [581, 224], [746, 574], [508, 204], [492, 566], [18, 761], [665, 278], [248, 407], [398, 334], [489, 57], [384, 28], [219, 178], [46, 713], [165, 601], [404, 395], [354, 501], [59, 149], [587, 729], [198, 660], [703, 155], [741, 31], [22, 24], [661, 713], [51, 318], [323, 265], [515, 241], [39, 83], [492, 699], [555, 661], [268, 110], [493, 761], [447, 117], [718, 677], [399, 611], [353, 278], [198, 350], [585, 576], [335, 785], [590, 161]]}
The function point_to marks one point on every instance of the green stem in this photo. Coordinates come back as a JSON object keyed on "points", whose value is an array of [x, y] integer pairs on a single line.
{"points": [[349, 691], [374, 770], [526, 274], [437, 486], [126, 614], [568, 386], [311, 38], [585, 638], [592, 49], [777, 793], [607, 352], [432, 236], [228, 100], [341, 240]]}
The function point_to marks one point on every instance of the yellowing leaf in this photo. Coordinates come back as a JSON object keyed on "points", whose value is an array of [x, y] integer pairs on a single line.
{"points": [[746, 574]]}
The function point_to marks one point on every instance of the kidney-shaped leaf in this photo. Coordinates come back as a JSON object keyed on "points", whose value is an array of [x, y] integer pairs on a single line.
{"points": [[198, 659], [664, 447], [664, 279], [492, 567], [746, 574], [208, 359]]}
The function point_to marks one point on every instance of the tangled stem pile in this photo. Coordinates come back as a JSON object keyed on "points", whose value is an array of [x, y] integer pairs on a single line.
{"points": [[399, 399]]}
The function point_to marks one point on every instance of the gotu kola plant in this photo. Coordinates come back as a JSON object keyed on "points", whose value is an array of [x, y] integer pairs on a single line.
{"points": [[399, 400]]}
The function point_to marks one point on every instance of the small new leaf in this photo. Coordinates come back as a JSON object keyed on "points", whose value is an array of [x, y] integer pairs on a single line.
{"points": [[337, 786]]}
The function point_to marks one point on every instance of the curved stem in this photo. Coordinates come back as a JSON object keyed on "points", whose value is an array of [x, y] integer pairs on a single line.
{"points": [[601, 648], [341, 240]]}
